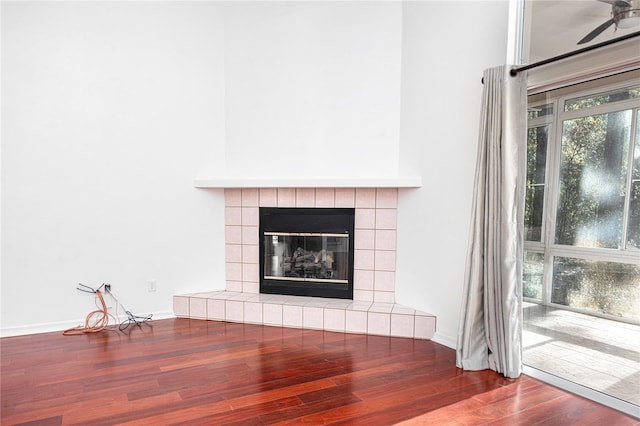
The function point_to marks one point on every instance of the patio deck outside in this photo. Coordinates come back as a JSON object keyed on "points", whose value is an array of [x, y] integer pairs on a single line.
{"points": [[594, 352]]}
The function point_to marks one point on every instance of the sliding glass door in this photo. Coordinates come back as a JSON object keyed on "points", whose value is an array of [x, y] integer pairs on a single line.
{"points": [[581, 282]]}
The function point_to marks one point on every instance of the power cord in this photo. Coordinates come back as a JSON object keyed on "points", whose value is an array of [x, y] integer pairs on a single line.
{"points": [[98, 320], [131, 319]]}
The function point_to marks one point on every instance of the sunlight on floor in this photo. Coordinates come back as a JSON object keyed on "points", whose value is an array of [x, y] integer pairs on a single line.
{"points": [[598, 353]]}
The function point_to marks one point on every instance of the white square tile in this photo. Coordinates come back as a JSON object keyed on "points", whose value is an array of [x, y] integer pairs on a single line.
{"points": [[250, 287], [386, 219], [402, 325], [363, 279], [278, 298], [253, 313], [312, 317], [291, 316], [297, 300], [356, 321], [362, 295], [233, 216], [234, 310], [365, 219], [305, 197], [317, 302], [215, 309], [234, 286], [250, 216], [384, 296], [338, 304], [387, 198], [325, 197], [345, 197], [385, 260], [250, 197], [385, 239], [232, 197], [197, 308], [385, 281], [381, 307], [363, 259], [181, 306], [334, 319], [272, 314], [250, 272], [286, 197], [250, 235], [425, 327], [400, 309], [358, 305], [365, 239], [250, 253], [241, 296], [233, 234], [233, 253], [268, 197], [366, 198], [233, 271], [378, 323]]}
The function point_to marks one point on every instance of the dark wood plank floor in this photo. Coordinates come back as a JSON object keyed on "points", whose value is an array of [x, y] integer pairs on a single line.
{"points": [[181, 371]]}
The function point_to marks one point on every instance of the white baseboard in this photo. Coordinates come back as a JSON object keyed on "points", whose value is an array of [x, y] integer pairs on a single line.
{"points": [[49, 327]]}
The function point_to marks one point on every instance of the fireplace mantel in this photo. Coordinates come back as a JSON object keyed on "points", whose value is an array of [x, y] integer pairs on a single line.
{"points": [[395, 182]]}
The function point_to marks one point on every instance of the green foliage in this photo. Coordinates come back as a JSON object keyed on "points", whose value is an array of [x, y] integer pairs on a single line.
{"points": [[605, 287]]}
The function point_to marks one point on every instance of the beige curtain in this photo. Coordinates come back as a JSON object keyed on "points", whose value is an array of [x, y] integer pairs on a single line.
{"points": [[490, 334]]}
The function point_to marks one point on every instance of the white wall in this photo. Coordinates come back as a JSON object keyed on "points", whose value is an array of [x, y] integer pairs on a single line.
{"points": [[110, 109], [442, 65], [313, 89]]}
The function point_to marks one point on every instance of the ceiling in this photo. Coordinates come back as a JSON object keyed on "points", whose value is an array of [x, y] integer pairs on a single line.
{"points": [[556, 26]]}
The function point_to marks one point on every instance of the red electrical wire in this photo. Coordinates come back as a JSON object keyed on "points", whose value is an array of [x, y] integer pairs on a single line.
{"points": [[97, 320]]}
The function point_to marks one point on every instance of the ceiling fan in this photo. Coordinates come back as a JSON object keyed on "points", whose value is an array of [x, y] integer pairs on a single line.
{"points": [[625, 14]]}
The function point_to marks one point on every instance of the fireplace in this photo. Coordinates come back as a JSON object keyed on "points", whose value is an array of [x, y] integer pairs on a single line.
{"points": [[307, 251], [373, 243]]}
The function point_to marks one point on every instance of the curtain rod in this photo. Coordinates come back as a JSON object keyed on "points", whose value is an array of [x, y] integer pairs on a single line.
{"points": [[515, 71]]}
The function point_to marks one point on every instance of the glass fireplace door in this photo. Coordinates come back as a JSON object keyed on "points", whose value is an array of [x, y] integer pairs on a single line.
{"points": [[306, 257]]}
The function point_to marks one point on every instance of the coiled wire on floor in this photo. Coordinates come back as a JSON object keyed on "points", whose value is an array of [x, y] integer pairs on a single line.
{"points": [[98, 319]]}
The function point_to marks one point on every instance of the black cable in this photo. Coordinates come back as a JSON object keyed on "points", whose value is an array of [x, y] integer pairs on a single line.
{"points": [[131, 319]]}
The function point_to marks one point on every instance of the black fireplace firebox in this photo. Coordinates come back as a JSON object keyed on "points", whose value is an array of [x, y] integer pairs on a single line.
{"points": [[307, 251]]}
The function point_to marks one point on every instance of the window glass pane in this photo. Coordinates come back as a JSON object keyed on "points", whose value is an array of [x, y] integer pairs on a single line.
{"points": [[536, 166], [633, 227], [606, 287], [532, 275], [601, 98], [592, 180], [539, 111]]}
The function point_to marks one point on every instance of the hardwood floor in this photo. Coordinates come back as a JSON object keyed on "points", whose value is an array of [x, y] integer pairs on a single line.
{"points": [[181, 371]]}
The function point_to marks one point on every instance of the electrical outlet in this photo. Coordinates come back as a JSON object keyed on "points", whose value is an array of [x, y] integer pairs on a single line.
{"points": [[151, 286]]}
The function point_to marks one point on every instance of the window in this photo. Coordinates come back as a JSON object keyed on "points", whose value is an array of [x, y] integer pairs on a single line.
{"points": [[582, 211]]}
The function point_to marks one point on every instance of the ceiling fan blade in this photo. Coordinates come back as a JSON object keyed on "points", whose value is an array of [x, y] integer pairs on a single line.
{"points": [[619, 3], [593, 34]]}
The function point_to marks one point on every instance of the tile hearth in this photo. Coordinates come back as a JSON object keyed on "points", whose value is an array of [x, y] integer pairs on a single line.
{"points": [[373, 309], [347, 316]]}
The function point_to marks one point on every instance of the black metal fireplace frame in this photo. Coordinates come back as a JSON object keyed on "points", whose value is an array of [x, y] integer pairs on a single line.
{"points": [[307, 220]]}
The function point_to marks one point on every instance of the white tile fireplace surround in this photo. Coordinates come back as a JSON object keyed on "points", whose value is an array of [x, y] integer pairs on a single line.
{"points": [[373, 309]]}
